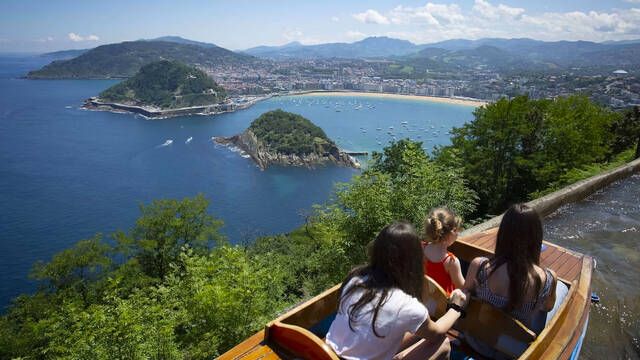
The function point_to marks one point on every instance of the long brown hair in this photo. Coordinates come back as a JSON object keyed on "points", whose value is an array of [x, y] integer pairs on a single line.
{"points": [[518, 245], [395, 261]]}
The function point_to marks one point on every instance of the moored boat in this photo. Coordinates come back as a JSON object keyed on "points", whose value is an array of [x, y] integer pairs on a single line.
{"points": [[299, 332]]}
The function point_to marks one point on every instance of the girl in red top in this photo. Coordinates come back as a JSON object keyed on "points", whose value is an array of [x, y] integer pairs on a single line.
{"points": [[441, 230]]}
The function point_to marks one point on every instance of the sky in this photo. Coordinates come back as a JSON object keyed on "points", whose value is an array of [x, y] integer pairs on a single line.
{"points": [[47, 25]]}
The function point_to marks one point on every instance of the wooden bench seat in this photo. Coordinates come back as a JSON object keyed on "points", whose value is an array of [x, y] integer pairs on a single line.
{"points": [[296, 342], [483, 322]]}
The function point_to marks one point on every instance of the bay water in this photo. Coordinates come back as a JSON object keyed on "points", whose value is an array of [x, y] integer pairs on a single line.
{"points": [[67, 173]]}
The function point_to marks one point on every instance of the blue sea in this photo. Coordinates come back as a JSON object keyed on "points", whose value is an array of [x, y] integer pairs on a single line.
{"points": [[67, 173]]}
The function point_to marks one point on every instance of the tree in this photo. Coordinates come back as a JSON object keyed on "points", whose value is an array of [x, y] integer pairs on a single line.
{"points": [[74, 269], [626, 132], [164, 228], [401, 183], [515, 147]]}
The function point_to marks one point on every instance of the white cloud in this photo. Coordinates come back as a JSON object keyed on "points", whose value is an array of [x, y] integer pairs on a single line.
{"points": [[501, 11], [371, 17], [335, 19], [76, 38], [432, 14], [434, 22]]}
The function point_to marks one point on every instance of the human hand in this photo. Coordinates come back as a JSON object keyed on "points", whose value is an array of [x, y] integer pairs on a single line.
{"points": [[459, 298]]}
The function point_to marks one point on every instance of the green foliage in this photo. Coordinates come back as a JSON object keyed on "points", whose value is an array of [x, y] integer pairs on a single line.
{"points": [[587, 171], [123, 60], [227, 295], [73, 269], [402, 183], [289, 133], [626, 131], [166, 84], [516, 147], [164, 228]]}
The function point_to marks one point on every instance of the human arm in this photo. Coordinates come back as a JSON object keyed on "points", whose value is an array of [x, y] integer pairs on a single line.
{"points": [[472, 274], [551, 298], [431, 329], [454, 270]]}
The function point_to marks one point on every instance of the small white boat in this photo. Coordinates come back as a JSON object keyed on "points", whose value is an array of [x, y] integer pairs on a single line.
{"points": [[168, 142], [189, 140]]}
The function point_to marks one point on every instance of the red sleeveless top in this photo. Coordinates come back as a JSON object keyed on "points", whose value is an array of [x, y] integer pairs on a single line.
{"points": [[437, 272]]}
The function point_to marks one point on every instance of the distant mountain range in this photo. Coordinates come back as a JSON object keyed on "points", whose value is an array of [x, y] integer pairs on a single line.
{"points": [[124, 59], [496, 53], [370, 47]]}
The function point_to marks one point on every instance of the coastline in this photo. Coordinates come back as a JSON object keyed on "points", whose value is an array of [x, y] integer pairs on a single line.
{"points": [[455, 101], [152, 112]]}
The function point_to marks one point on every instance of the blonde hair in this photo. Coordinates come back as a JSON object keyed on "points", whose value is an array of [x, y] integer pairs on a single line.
{"points": [[439, 223]]}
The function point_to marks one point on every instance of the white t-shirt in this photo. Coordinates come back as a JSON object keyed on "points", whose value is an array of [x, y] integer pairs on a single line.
{"points": [[401, 313]]}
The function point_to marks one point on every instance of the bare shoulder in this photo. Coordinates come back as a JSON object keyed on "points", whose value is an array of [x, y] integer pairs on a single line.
{"points": [[475, 263], [452, 262], [542, 273]]}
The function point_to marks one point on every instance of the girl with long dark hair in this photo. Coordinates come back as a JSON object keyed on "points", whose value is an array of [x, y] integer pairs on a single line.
{"points": [[513, 279], [381, 304]]}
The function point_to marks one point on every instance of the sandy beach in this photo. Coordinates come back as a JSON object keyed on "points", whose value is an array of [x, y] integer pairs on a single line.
{"points": [[457, 101]]}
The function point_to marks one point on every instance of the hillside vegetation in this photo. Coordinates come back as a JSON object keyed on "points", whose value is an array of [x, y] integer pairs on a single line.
{"points": [[166, 84], [123, 60], [288, 133]]}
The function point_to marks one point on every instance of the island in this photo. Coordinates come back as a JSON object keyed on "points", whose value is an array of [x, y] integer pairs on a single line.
{"points": [[162, 89], [284, 138]]}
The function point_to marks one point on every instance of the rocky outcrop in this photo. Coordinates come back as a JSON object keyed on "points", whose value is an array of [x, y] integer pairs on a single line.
{"points": [[325, 153]]}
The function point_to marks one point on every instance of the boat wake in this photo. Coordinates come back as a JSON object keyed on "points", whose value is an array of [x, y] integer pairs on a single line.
{"points": [[166, 143]]}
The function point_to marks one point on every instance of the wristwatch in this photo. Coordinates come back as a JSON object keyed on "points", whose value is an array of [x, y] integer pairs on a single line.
{"points": [[457, 308]]}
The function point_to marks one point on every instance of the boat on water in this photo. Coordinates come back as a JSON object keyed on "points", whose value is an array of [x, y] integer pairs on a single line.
{"points": [[299, 333], [189, 140], [167, 143]]}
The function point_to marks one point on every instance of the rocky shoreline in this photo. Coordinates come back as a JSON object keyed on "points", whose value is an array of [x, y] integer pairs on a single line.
{"points": [[249, 143]]}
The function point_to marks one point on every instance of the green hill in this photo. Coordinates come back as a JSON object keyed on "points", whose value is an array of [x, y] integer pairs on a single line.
{"points": [[123, 60], [288, 133], [166, 84]]}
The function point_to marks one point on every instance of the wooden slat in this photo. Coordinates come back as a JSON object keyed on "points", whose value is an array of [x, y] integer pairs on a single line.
{"points": [[314, 310], [487, 242], [554, 254], [550, 254], [467, 252], [574, 272], [246, 348], [555, 265], [568, 264]]}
